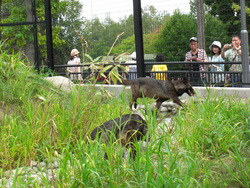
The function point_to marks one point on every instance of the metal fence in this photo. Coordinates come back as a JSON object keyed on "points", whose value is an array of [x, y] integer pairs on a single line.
{"points": [[175, 70], [221, 22]]}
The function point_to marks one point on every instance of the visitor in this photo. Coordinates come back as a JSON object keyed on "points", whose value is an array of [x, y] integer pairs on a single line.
{"points": [[217, 79], [232, 52], [74, 72], [159, 67], [196, 55]]}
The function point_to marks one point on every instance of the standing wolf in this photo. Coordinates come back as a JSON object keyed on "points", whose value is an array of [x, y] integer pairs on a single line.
{"points": [[161, 90]]}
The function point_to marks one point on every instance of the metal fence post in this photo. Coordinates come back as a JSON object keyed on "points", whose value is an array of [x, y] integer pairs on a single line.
{"points": [[244, 45], [36, 58], [138, 38], [49, 41], [200, 23]]}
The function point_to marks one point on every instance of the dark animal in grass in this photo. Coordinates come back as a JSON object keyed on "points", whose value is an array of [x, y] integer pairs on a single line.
{"points": [[124, 130], [161, 90]]}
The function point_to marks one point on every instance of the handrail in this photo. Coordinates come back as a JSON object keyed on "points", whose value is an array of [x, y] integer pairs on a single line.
{"points": [[183, 71]]}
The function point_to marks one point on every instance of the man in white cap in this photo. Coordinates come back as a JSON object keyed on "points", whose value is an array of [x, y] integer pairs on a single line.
{"points": [[196, 55], [74, 72]]}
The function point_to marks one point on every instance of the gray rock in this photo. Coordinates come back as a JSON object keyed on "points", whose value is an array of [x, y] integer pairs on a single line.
{"points": [[41, 165], [33, 163], [61, 82], [55, 164]]}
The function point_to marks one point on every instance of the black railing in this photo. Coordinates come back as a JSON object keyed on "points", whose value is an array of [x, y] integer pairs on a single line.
{"points": [[224, 78]]}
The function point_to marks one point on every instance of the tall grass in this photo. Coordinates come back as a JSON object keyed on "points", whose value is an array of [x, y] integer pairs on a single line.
{"points": [[207, 145]]}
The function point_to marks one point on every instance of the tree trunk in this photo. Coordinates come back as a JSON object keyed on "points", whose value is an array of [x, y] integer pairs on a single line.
{"points": [[30, 48], [1, 3]]}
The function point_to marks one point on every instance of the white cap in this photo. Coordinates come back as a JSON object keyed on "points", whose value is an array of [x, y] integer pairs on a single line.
{"points": [[74, 52], [193, 39], [215, 43], [133, 55]]}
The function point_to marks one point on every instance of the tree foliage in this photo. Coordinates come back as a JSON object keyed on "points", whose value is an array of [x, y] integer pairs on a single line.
{"points": [[215, 30], [174, 35], [128, 44], [101, 35], [173, 40], [68, 20], [162, 33], [225, 10], [65, 20]]}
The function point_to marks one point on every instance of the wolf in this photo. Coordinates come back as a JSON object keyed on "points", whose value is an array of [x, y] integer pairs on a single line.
{"points": [[161, 90], [124, 130]]}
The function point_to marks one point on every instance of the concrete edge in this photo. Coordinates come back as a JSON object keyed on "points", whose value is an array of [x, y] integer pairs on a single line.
{"points": [[200, 91]]}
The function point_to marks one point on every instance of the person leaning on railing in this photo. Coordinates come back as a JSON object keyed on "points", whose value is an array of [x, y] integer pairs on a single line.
{"points": [[196, 55], [232, 52], [217, 79]]}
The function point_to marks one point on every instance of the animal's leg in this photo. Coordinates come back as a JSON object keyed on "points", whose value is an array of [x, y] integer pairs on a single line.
{"points": [[133, 150], [158, 103], [133, 103], [128, 140], [178, 101]]}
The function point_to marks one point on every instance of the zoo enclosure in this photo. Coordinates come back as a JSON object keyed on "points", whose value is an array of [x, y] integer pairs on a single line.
{"points": [[138, 22], [141, 64], [33, 21]]}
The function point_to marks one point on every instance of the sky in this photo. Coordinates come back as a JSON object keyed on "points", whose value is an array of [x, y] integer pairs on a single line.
{"points": [[119, 8]]}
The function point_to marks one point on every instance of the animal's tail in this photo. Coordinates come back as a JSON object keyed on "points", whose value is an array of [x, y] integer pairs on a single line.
{"points": [[126, 82]]}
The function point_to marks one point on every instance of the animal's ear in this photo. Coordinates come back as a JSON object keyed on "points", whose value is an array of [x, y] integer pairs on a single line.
{"points": [[172, 79], [184, 80]]}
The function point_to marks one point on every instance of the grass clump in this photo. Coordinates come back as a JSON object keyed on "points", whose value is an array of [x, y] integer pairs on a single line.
{"points": [[215, 134], [205, 145]]}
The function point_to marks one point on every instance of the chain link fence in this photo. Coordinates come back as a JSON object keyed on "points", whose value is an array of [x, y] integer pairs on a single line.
{"points": [[167, 27]]}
